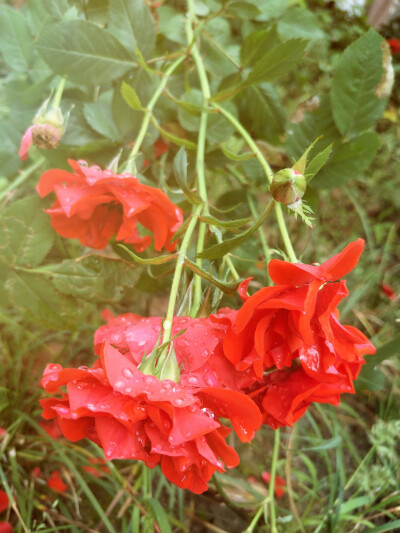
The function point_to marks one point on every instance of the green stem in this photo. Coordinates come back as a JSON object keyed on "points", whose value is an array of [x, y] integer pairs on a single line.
{"points": [[58, 95], [263, 239], [255, 520], [275, 454], [178, 271], [149, 109], [201, 143], [268, 172], [24, 175]]}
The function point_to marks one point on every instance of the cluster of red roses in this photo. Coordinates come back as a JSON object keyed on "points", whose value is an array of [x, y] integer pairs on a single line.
{"points": [[265, 363]]}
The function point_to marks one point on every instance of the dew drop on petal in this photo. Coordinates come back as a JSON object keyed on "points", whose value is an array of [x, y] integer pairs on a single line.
{"points": [[207, 412], [127, 373], [193, 380]]}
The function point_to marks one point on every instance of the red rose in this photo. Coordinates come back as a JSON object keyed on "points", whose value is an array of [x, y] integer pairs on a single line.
{"points": [[292, 332], [137, 416], [198, 349], [94, 205], [56, 483]]}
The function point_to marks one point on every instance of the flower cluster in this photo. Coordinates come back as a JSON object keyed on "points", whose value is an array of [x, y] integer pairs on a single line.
{"points": [[267, 362], [94, 205]]}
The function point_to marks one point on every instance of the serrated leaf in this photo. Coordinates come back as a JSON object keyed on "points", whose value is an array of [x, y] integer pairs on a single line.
{"points": [[94, 278], [219, 250], [42, 12], [256, 44], [131, 97], [317, 163], [25, 233], [300, 22], [32, 293], [277, 62], [244, 10], [16, 40], [317, 123], [99, 117], [132, 23], [355, 106], [83, 52], [263, 113], [348, 161]]}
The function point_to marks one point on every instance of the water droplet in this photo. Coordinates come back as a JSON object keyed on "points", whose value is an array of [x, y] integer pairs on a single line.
{"points": [[193, 380], [128, 390], [127, 373], [193, 408], [141, 343], [178, 401], [171, 439], [150, 380], [83, 367], [219, 464], [91, 406], [207, 412], [157, 448], [205, 353]]}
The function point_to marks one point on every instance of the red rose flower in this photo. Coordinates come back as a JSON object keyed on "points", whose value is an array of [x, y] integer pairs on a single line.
{"points": [[137, 416], [94, 205], [292, 331], [198, 349], [5, 527]]}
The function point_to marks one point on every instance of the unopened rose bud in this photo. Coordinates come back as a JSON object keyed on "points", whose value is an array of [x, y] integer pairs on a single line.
{"points": [[288, 186], [46, 136]]}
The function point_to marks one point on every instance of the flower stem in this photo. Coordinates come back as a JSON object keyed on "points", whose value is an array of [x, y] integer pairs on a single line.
{"points": [[268, 172], [149, 109], [23, 176], [263, 240], [178, 271], [275, 454], [58, 94], [201, 143]]}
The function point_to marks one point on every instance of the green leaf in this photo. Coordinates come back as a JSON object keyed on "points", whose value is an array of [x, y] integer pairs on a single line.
{"points": [[317, 163], [300, 165], [348, 161], [263, 113], [315, 124], [159, 260], [131, 22], [227, 288], [32, 293], [300, 22], [371, 378], [180, 173], [256, 44], [99, 117], [228, 224], [159, 514], [26, 234], [16, 41], [219, 250], [43, 12], [355, 106], [277, 62], [179, 141], [83, 52], [243, 10], [236, 157], [131, 97]]}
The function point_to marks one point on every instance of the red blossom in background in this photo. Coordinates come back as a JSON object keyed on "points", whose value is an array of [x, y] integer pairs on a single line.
{"points": [[56, 483], [136, 416], [279, 484], [394, 45], [94, 205], [4, 501], [387, 289], [292, 331], [26, 143], [99, 467], [5, 527]]}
